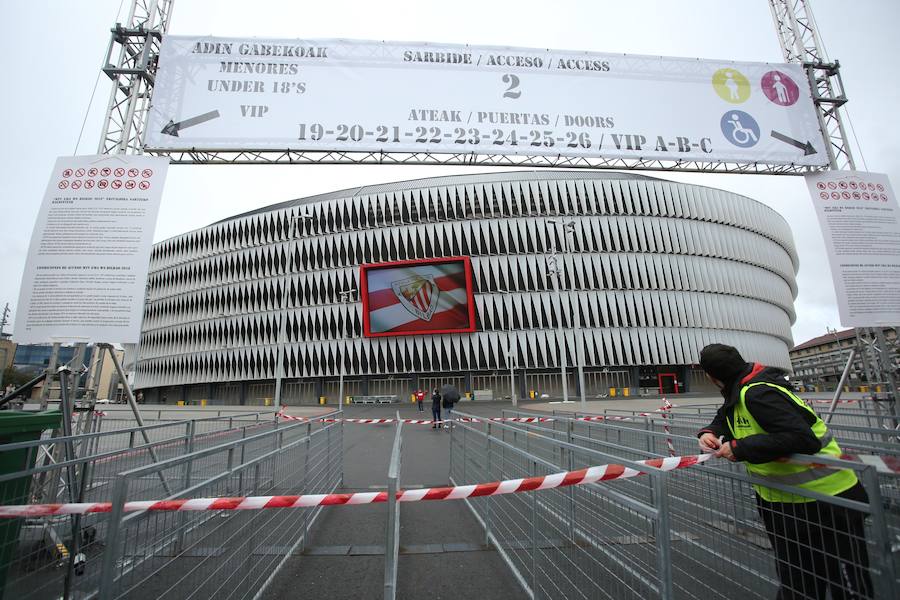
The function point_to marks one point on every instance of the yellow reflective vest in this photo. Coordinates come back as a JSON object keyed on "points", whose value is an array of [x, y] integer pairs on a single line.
{"points": [[808, 477]]}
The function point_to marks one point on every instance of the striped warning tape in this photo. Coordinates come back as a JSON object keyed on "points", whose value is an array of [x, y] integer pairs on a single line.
{"points": [[510, 486], [882, 463], [415, 421]]}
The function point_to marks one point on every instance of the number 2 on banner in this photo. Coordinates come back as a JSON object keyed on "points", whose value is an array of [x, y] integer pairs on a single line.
{"points": [[511, 91]]}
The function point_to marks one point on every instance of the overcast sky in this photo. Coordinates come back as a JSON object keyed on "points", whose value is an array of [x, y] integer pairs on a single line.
{"points": [[51, 52]]}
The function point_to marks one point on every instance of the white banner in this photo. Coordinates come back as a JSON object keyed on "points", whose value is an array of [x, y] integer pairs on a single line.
{"points": [[260, 94], [860, 220], [87, 264]]}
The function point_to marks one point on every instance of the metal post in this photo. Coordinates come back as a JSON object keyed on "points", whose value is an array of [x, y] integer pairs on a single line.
{"points": [[882, 557], [345, 298], [663, 535], [113, 533], [840, 385], [51, 370], [487, 499], [512, 376], [553, 271], [129, 396], [72, 487], [535, 585], [569, 228]]}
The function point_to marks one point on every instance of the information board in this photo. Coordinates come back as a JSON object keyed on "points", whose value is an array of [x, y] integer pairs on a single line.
{"points": [[860, 220], [86, 270], [231, 94]]}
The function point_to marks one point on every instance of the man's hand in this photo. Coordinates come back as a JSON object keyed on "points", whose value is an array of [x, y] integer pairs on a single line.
{"points": [[709, 442], [726, 452]]}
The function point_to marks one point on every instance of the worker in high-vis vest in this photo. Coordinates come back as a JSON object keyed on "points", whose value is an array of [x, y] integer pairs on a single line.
{"points": [[819, 546]]}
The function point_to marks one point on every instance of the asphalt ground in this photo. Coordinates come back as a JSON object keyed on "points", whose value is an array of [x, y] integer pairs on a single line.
{"points": [[441, 552]]}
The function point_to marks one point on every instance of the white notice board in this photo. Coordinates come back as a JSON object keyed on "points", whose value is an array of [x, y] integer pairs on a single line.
{"points": [[87, 264], [860, 220]]}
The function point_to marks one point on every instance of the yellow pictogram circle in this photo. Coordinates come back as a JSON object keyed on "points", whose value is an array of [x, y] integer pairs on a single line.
{"points": [[731, 85]]}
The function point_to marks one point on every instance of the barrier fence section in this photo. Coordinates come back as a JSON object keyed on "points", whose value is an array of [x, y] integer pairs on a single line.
{"points": [[718, 538], [392, 544], [219, 553], [33, 551], [589, 541]]}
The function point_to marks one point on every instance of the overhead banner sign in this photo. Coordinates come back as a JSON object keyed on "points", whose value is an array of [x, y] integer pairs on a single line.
{"points": [[232, 94], [860, 220], [86, 270]]}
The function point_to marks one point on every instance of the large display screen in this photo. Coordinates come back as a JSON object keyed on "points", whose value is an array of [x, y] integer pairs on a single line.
{"points": [[418, 297]]}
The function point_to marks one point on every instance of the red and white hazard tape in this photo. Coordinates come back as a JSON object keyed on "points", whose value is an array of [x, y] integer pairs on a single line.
{"points": [[415, 421], [496, 488], [666, 407], [882, 463]]}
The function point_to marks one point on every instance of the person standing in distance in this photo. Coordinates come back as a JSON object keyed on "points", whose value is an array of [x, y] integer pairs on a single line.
{"points": [[819, 546], [435, 409], [420, 397]]}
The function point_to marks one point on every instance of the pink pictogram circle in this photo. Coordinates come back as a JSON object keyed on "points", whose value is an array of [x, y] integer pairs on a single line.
{"points": [[63, 185], [129, 185], [144, 185], [116, 184], [779, 88]]}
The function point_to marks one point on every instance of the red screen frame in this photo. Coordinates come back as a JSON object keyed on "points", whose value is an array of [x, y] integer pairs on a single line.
{"points": [[364, 294]]}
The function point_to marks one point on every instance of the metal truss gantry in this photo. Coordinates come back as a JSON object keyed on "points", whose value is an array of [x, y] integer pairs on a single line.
{"points": [[134, 52]]}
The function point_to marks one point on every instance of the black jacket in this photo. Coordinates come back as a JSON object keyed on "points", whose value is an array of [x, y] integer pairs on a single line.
{"points": [[435, 401], [788, 426]]}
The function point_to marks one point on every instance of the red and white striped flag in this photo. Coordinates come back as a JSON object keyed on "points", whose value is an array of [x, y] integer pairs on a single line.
{"points": [[418, 298]]}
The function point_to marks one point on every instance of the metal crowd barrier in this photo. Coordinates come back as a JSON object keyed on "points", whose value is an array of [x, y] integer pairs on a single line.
{"points": [[202, 457], [392, 545], [692, 533]]}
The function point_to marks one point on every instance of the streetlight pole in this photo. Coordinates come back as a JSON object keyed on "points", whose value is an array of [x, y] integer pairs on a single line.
{"points": [[553, 270], [569, 229], [345, 296], [282, 326], [510, 356]]}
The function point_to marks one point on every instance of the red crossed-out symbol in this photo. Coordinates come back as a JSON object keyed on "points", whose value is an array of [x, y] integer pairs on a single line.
{"points": [[871, 186], [133, 172], [842, 185], [67, 172], [866, 195], [63, 185], [823, 195], [76, 184], [831, 185], [821, 185], [853, 185], [880, 187], [103, 184], [144, 185], [79, 172], [117, 183], [883, 197], [147, 173], [835, 196], [856, 196], [119, 172], [106, 171], [129, 185], [846, 195], [89, 184], [92, 172]]}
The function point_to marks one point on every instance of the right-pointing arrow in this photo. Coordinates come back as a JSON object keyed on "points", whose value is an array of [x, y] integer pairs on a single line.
{"points": [[807, 147]]}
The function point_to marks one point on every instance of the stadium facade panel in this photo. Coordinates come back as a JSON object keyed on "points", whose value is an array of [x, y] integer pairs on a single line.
{"points": [[652, 271]]}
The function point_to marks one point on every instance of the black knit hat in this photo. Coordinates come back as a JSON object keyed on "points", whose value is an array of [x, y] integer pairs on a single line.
{"points": [[723, 362]]}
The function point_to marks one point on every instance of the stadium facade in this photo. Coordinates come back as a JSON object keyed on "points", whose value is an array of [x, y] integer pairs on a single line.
{"points": [[653, 270]]}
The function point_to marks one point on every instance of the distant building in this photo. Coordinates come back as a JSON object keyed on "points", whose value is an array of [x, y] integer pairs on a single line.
{"points": [[818, 363]]}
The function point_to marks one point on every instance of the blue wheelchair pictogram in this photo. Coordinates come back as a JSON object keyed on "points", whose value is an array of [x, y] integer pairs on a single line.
{"points": [[740, 129]]}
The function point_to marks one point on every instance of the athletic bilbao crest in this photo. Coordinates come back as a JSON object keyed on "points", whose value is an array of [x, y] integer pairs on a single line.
{"points": [[418, 294]]}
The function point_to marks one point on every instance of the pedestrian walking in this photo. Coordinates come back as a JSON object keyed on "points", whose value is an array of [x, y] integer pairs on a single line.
{"points": [[420, 398], [819, 546], [435, 409], [450, 397]]}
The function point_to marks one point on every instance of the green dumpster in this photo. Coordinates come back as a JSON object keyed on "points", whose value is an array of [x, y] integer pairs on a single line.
{"points": [[18, 426]]}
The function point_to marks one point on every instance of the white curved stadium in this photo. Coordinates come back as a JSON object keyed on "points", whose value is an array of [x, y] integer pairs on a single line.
{"points": [[654, 271]]}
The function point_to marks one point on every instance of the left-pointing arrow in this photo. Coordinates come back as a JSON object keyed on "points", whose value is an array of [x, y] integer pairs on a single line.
{"points": [[807, 147], [172, 128]]}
